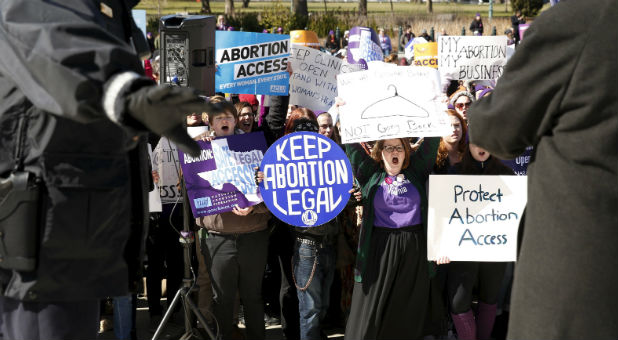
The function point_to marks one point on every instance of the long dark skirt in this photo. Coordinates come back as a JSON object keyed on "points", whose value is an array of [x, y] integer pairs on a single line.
{"points": [[392, 301]]}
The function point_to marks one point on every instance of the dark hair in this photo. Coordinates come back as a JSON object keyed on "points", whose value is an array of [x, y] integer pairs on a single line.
{"points": [[492, 166], [301, 112], [305, 124], [376, 152], [462, 145]]}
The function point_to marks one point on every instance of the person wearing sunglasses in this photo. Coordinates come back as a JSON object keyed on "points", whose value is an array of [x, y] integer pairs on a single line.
{"points": [[392, 288], [461, 101]]}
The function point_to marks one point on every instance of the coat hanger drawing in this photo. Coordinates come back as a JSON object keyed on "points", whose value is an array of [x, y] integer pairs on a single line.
{"points": [[408, 107]]}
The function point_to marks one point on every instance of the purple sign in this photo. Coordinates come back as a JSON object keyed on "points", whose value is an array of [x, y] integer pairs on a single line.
{"points": [[363, 46], [223, 176], [520, 163]]}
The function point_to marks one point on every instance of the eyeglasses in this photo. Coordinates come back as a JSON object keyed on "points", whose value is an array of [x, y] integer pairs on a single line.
{"points": [[247, 115], [461, 105], [390, 148]]}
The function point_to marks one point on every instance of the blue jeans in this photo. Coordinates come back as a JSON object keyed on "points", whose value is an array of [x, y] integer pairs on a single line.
{"points": [[314, 300], [123, 318]]}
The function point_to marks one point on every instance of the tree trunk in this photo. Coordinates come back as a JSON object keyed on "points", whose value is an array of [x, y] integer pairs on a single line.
{"points": [[206, 7], [300, 7], [229, 8], [429, 6], [325, 9], [362, 7], [245, 3]]}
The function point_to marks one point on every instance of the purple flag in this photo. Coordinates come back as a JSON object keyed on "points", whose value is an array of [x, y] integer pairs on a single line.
{"points": [[363, 46]]}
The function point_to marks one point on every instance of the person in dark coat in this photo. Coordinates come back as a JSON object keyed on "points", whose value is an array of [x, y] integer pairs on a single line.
{"points": [[476, 27], [558, 94], [74, 112], [516, 20]]}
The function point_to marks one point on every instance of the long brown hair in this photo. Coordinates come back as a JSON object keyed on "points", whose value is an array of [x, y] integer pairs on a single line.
{"points": [[376, 152], [461, 145]]}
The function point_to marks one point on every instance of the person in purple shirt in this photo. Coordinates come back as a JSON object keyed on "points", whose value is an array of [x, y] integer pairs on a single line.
{"points": [[392, 291]]}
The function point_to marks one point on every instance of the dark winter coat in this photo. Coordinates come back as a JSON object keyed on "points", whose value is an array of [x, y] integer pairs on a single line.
{"points": [[558, 94], [56, 59]]}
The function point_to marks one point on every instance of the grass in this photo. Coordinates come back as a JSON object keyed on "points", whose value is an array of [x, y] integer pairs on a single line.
{"points": [[163, 7]]}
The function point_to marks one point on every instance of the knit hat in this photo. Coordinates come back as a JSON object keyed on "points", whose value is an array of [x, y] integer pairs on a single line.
{"points": [[331, 32], [249, 98], [460, 92]]}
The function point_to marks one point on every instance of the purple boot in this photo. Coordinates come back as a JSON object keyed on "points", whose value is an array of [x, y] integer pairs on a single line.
{"points": [[465, 325], [485, 320]]}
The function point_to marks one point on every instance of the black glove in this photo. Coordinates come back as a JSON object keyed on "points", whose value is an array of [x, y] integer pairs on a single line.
{"points": [[163, 108]]}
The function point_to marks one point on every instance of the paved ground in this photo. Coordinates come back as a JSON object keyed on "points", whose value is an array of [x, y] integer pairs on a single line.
{"points": [[175, 329]]}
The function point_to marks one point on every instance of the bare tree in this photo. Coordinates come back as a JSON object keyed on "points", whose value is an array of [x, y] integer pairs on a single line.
{"points": [[245, 3], [429, 6], [229, 7], [206, 7], [362, 7]]}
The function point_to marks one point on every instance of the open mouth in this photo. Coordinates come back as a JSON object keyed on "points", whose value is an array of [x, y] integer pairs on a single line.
{"points": [[246, 124], [395, 160], [481, 153], [225, 128]]}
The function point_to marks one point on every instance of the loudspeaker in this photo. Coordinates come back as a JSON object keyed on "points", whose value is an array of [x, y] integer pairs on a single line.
{"points": [[188, 52]]}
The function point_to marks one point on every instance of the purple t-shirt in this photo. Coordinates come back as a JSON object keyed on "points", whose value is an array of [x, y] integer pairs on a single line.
{"points": [[397, 203]]}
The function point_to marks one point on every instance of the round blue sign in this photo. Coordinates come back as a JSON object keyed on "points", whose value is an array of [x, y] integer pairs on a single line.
{"points": [[307, 177]]}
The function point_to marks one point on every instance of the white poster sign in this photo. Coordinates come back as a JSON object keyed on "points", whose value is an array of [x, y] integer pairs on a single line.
{"points": [[472, 57], [475, 218], [154, 200], [167, 167], [314, 82], [391, 103]]}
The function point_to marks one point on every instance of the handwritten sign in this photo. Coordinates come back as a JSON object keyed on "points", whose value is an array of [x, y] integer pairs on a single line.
{"points": [[253, 63], [475, 218], [390, 103], [306, 179], [314, 82], [166, 164], [472, 58], [223, 175]]}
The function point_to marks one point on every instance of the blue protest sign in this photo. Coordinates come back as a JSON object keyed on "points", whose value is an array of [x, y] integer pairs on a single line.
{"points": [[252, 63], [307, 177], [224, 174]]}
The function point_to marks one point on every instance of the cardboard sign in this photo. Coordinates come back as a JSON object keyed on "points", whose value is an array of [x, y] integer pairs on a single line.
{"points": [[391, 103], [314, 82], [252, 63], [154, 199], [472, 57], [475, 218], [307, 177], [363, 46], [223, 176], [166, 164], [426, 54]]}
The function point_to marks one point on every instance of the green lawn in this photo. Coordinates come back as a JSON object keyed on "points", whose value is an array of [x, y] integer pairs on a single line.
{"points": [[162, 7]]}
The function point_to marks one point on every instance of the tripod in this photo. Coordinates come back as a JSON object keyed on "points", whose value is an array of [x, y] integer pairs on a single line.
{"points": [[187, 239]]}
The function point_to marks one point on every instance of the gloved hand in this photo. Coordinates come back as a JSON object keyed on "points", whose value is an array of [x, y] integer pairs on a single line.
{"points": [[163, 108]]}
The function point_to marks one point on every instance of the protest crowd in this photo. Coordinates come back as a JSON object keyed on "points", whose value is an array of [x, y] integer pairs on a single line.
{"points": [[373, 269]]}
